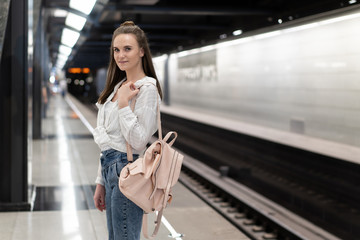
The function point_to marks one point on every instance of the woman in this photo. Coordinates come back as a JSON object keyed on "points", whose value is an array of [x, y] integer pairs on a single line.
{"points": [[130, 77]]}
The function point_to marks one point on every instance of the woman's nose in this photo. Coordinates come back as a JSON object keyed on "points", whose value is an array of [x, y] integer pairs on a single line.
{"points": [[121, 53]]}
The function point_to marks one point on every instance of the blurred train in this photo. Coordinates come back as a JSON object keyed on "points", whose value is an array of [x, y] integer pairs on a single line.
{"points": [[301, 77]]}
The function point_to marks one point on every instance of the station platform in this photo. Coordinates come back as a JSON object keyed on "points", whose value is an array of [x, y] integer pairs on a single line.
{"points": [[62, 172]]}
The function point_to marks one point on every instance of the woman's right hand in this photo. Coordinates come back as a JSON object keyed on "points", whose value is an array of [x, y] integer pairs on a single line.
{"points": [[126, 92], [99, 197]]}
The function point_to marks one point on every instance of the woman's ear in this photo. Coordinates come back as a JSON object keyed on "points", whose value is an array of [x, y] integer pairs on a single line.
{"points": [[141, 52]]}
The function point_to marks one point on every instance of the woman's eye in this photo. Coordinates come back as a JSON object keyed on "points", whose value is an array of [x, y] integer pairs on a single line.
{"points": [[116, 49], [127, 49]]}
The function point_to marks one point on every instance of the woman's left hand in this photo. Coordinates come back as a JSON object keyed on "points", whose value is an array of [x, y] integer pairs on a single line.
{"points": [[126, 92]]}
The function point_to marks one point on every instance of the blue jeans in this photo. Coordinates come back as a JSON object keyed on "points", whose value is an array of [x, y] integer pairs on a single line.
{"points": [[124, 218]]}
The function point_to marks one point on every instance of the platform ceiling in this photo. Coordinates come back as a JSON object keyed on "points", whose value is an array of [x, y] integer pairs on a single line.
{"points": [[173, 25]]}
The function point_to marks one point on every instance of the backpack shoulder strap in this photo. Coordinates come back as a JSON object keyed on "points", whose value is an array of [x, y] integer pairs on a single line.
{"points": [[157, 225]]}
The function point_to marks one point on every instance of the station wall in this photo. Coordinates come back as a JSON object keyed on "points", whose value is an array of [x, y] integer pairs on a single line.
{"points": [[303, 79]]}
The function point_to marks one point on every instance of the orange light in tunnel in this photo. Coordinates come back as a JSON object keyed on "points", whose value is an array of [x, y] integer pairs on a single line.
{"points": [[79, 70], [74, 70]]}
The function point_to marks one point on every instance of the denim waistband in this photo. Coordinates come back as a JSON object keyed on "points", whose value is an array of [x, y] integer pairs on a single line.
{"points": [[109, 151], [111, 156]]}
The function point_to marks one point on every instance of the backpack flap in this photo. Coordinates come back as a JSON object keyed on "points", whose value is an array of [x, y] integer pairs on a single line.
{"points": [[170, 167]]}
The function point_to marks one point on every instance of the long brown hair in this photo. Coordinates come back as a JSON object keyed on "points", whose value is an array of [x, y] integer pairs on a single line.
{"points": [[114, 74]]}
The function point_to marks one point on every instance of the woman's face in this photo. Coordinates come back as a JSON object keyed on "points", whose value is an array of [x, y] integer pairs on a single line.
{"points": [[127, 53]]}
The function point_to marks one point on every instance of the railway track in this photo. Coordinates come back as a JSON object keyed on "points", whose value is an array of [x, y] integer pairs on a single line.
{"points": [[299, 190], [255, 215]]}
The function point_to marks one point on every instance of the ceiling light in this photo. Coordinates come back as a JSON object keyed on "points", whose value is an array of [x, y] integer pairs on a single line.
{"points": [[62, 57], [223, 36], [65, 50], [75, 21], [280, 21], [352, 1], [237, 32], [59, 13], [84, 6], [69, 37], [60, 63]]}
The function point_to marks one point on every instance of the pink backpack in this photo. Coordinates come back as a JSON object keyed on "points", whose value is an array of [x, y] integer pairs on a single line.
{"points": [[148, 181]]}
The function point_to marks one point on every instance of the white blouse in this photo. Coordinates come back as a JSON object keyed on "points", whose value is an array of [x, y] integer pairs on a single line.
{"points": [[116, 126]]}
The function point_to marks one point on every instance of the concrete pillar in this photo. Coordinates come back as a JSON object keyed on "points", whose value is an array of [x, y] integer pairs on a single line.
{"points": [[14, 110]]}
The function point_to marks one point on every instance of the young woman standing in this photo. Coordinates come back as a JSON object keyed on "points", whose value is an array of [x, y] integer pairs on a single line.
{"points": [[131, 76]]}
